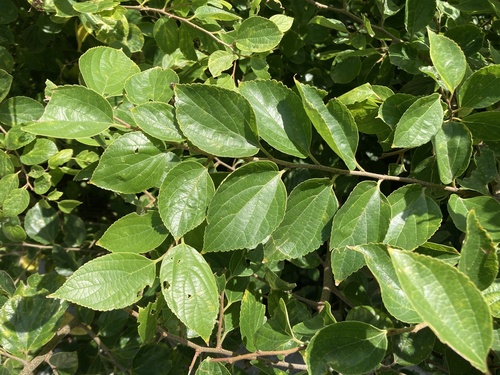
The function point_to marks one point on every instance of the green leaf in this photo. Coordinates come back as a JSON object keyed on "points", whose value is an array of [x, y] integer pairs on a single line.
{"points": [[184, 197], [420, 122], [484, 125], [216, 120], [405, 56], [333, 122], [492, 298], [7, 286], [258, 34], [252, 317], [28, 323], [448, 302], [38, 152], [42, 223], [8, 12], [131, 164], [152, 85], [415, 217], [484, 173], [247, 207], [393, 108], [395, 300], [281, 119], [166, 34], [106, 70], [211, 368], [353, 224], [418, 14], [347, 347], [189, 285], [134, 233], [5, 82], [207, 12], [73, 112], [307, 221], [16, 202], [8, 183], [147, 322], [411, 348], [17, 138], [20, 110], [478, 257], [448, 59], [469, 37], [487, 213], [113, 281], [283, 22], [330, 23], [453, 149], [158, 120], [481, 89], [220, 61]]}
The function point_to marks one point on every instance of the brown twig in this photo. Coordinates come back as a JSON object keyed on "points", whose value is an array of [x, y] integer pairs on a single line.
{"points": [[220, 322]]}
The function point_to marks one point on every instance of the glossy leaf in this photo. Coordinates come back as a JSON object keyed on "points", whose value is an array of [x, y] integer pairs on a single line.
{"points": [[258, 34], [418, 14], [481, 89], [152, 85], [420, 122], [448, 59], [453, 149], [347, 347], [132, 163], [220, 61], [106, 70], [216, 120], [395, 300], [73, 112], [393, 108], [478, 258], [448, 302], [110, 282], [158, 120], [333, 122], [484, 125], [190, 290], [42, 223], [211, 368], [281, 119], [247, 207], [492, 298], [353, 224], [307, 221], [134, 233], [38, 152], [184, 197]]}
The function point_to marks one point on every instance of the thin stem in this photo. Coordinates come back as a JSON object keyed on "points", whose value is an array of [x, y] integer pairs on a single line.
{"points": [[413, 328], [193, 362], [17, 359], [257, 354], [224, 164], [181, 19]]}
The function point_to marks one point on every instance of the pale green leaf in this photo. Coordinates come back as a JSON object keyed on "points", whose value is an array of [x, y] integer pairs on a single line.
{"points": [[5, 82], [211, 368], [418, 14], [106, 70], [190, 289], [330, 23], [153, 85], [478, 257], [132, 163], [216, 120], [353, 224], [206, 12], [448, 302], [166, 34], [484, 173], [220, 61], [158, 120], [134, 233], [73, 112], [247, 207], [481, 89], [415, 217], [448, 59], [38, 151], [307, 221], [420, 122], [42, 223], [347, 347], [110, 282], [20, 110], [484, 125], [258, 34], [184, 197], [283, 22], [252, 317], [8, 183], [281, 119], [17, 138], [453, 149], [333, 122], [16, 202], [492, 298]]}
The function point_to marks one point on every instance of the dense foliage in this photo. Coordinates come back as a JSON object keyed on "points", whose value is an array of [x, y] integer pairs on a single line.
{"points": [[215, 187]]}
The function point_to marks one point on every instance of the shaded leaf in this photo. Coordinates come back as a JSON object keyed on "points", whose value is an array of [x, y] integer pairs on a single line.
{"points": [[252, 317], [20, 110], [42, 223], [418, 14], [481, 89], [484, 125], [153, 85]]}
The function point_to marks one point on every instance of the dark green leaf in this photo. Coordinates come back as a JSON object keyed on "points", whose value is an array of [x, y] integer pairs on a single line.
{"points": [[42, 223], [481, 89], [158, 121], [484, 125], [166, 34], [418, 14], [154, 85]]}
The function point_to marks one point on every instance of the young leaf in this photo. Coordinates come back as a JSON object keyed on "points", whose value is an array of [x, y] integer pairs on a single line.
{"points": [[418, 14], [106, 70], [306, 224], [415, 217], [333, 122], [448, 302], [353, 224], [216, 120], [157, 120], [481, 89], [420, 122], [73, 112], [252, 317], [395, 300], [448, 59], [478, 258], [190, 289], [110, 282], [453, 149], [134, 233], [211, 368], [132, 163], [152, 85], [258, 34], [247, 207], [484, 125], [219, 61], [347, 347], [184, 197], [281, 119]]}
